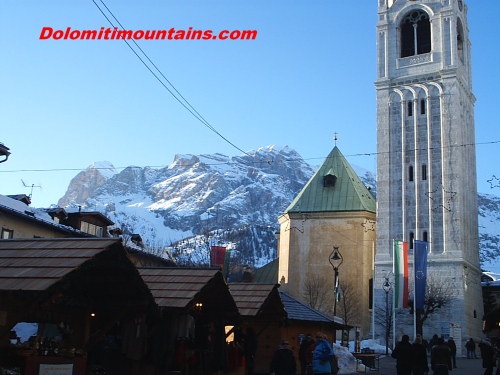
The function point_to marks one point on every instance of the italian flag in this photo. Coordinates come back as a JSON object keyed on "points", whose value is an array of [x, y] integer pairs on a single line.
{"points": [[400, 274]]}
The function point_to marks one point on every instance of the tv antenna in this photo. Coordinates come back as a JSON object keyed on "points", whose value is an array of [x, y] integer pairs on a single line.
{"points": [[30, 186]]}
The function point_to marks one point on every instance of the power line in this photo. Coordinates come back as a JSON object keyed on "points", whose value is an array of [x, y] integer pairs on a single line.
{"points": [[183, 101], [255, 162]]}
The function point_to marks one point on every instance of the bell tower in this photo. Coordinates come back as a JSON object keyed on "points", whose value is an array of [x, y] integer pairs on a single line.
{"points": [[426, 166]]}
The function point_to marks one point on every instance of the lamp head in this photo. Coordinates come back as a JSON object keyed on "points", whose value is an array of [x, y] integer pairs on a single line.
{"points": [[336, 258]]}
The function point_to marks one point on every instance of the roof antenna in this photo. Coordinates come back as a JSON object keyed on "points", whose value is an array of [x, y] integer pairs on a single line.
{"points": [[335, 137], [32, 186]]}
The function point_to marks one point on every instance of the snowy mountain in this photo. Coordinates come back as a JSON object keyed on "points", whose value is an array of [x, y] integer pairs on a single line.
{"points": [[197, 200], [205, 200]]}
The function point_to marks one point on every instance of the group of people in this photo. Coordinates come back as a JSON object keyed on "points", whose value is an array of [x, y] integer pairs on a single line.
{"points": [[412, 358], [314, 357]]}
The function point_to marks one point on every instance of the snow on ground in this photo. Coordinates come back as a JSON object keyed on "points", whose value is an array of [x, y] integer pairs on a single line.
{"points": [[347, 363]]}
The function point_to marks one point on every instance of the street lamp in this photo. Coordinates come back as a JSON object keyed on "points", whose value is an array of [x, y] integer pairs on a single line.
{"points": [[4, 152], [387, 288], [335, 260]]}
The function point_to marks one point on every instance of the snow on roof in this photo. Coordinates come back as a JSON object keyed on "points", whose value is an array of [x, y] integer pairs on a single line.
{"points": [[40, 214]]}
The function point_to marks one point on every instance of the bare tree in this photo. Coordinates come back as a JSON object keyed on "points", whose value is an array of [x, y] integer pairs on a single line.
{"points": [[438, 295], [383, 316], [349, 305], [316, 292]]}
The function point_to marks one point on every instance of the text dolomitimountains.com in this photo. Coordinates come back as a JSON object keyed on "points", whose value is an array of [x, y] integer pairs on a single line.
{"points": [[107, 33]]}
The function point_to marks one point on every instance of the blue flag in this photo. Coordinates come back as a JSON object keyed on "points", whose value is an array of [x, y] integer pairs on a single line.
{"points": [[421, 249]]}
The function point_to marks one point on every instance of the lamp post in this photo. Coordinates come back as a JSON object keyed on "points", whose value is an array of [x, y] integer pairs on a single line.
{"points": [[335, 260], [387, 287]]}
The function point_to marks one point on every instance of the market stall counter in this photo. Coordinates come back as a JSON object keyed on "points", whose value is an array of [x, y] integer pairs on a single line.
{"points": [[38, 365]]}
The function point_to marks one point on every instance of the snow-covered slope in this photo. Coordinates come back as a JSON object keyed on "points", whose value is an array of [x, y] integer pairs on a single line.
{"points": [[197, 196]]}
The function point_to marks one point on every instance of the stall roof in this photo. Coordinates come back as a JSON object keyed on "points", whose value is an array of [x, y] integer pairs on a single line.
{"points": [[183, 287], [297, 310], [37, 264], [252, 299], [81, 273]]}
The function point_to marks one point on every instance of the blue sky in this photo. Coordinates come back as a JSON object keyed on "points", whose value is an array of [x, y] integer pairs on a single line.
{"points": [[309, 74]]}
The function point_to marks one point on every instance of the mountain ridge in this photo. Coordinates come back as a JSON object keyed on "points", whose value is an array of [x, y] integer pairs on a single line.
{"points": [[197, 200]]}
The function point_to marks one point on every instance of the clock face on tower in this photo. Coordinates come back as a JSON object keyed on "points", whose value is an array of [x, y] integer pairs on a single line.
{"points": [[460, 4]]}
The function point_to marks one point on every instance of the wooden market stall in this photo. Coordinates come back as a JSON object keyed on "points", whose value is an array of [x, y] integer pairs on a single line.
{"points": [[75, 289], [196, 307], [263, 311]]}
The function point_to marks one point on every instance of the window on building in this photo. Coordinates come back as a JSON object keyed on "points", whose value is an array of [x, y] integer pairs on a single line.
{"points": [[329, 180], [7, 234], [92, 229], [411, 239], [422, 106], [460, 40], [410, 173], [425, 236], [415, 34], [424, 172], [410, 108]]}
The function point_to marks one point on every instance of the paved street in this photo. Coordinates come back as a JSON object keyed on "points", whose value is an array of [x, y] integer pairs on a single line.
{"points": [[464, 367]]}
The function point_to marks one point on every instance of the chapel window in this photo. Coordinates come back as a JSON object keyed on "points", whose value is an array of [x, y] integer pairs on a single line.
{"points": [[415, 34], [410, 173]]}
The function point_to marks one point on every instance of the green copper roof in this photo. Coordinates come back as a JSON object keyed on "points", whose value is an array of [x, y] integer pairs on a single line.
{"points": [[343, 190]]}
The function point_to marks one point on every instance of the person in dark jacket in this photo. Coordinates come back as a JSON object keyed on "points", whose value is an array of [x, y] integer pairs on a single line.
{"points": [[305, 354], [421, 366], [441, 358], [283, 361], [453, 350], [405, 356], [488, 356], [433, 341], [471, 349]]}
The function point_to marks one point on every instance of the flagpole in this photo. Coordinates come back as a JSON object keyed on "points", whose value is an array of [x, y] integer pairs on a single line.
{"points": [[414, 294], [393, 298], [373, 291]]}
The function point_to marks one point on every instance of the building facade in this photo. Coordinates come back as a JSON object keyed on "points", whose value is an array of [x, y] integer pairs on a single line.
{"points": [[426, 167], [334, 209]]}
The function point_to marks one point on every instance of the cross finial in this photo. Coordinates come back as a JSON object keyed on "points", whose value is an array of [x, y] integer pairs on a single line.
{"points": [[335, 137]]}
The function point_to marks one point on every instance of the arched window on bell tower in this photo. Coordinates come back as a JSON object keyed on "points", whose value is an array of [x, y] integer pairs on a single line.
{"points": [[415, 34]]}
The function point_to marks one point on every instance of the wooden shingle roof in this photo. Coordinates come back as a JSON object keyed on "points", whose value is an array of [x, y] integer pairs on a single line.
{"points": [[260, 301], [182, 288], [250, 298], [37, 264]]}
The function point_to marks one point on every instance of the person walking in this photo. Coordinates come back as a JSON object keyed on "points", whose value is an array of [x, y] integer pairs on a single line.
{"points": [[488, 356], [453, 350], [433, 341], [322, 354], [441, 358], [305, 354], [283, 361], [404, 353], [471, 349], [421, 366]]}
